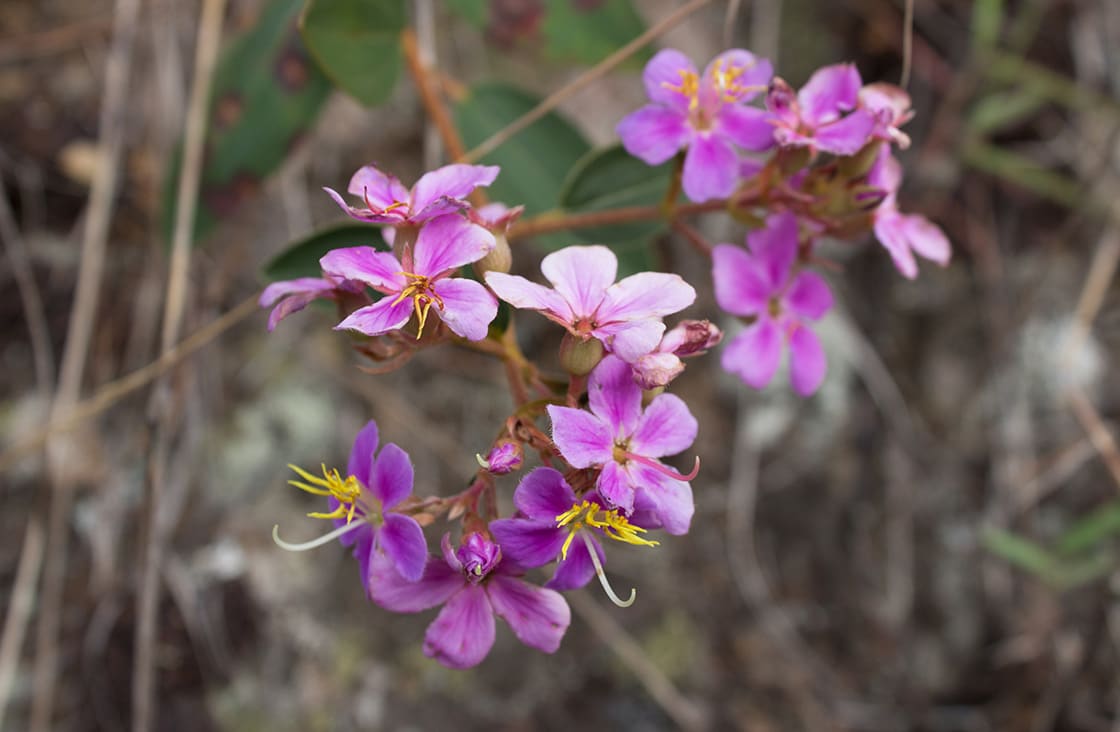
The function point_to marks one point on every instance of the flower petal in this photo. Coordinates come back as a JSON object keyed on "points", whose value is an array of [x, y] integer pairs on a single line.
{"points": [[631, 340], [392, 477], [451, 181], [645, 295], [447, 243], [380, 270], [393, 592], [577, 570], [364, 214], [829, 92], [293, 304], [463, 632], [379, 189], [616, 487], [665, 428], [754, 354], [662, 77], [747, 127], [521, 293], [361, 454], [582, 438], [809, 296], [538, 617], [754, 74], [277, 290], [402, 540], [544, 494], [468, 307], [711, 168], [614, 397], [741, 288], [670, 499], [527, 542], [381, 317], [890, 231], [654, 134], [581, 275], [807, 362], [776, 247], [927, 239], [846, 136]]}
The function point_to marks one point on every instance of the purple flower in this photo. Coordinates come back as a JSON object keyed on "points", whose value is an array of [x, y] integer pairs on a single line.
{"points": [[759, 284], [624, 441], [551, 516], [291, 296], [473, 584], [505, 457], [439, 192], [890, 106], [815, 117], [705, 113], [904, 234], [663, 364], [625, 316], [374, 485], [425, 278]]}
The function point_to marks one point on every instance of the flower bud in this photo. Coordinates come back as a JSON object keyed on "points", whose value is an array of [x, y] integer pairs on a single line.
{"points": [[691, 338], [657, 369], [499, 259], [579, 356], [505, 457]]}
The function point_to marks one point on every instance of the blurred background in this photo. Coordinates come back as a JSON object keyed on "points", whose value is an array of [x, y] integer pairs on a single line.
{"points": [[927, 544]]}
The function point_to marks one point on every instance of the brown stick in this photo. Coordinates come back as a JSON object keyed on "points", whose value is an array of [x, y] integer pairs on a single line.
{"points": [[425, 80], [550, 222]]}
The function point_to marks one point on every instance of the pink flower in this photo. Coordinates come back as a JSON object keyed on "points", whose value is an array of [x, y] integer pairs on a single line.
{"points": [[291, 296], [625, 316], [824, 114], [663, 364], [904, 234], [439, 192], [705, 113], [425, 278], [473, 584], [760, 284], [890, 106]]}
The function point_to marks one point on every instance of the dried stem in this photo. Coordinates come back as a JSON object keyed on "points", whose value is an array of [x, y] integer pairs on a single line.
{"points": [[603, 67], [19, 609], [549, 222], [1097, 431], [425, 81]]}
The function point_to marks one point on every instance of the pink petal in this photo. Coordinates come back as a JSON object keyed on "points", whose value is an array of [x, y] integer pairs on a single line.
{"points": [[663, 72], [829, 91], [537, 616], [756, 72], [616, 487], [645, 295], [521, 293], [711, 168], [380, 189], [654, 134], [631, 340], [807, 362], [581, 275], [614, 397], [776, 247], [747, 127], [846, 136], [380, 270], [671, 500], [468, 307], [665, 428], [754, 354], [402, 540], [392, 477], [657, 369], [577, 570], [391, 591], [381, 317], [527, 542], [463, 632], [809, 296], [927, 239], [292, 304], [582, 438], [740, 286], [890, 231], [361, 454], [277, 290], [544, 494], [451, 181], [447, 243]]}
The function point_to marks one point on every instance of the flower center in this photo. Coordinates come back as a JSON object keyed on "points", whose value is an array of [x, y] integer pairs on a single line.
{"points": [[774, 307], [419, 288], [391, 207], [589, 514], [347, 491]]}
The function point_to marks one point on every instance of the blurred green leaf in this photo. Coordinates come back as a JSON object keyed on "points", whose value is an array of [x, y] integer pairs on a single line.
{"points": [[266, 94], [301, 259], [987, 19], [609, 178], [587, 32], [1024, 172], [1059, 88], [1062, 573], [357, 44], [534, 161], [1092, 530], [1000, 110]]}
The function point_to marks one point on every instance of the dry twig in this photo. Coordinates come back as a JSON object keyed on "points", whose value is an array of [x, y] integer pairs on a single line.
{"points": [[19, 609]]}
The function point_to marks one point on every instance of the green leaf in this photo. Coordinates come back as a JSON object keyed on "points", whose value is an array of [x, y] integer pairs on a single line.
{"points": [[1092, 530], [357, 44], [266, 93], [987, 18], [610, 178], [535, 161], [1000, 110], [1024, 172], [301, 259], [588, 32], [1022, 553]]}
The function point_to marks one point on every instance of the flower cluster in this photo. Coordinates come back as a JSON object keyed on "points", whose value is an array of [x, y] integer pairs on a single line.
{"points": [[796, 166]]}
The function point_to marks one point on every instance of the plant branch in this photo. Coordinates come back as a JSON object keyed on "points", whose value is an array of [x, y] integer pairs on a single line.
{"points": [[553, 221], [425, 80]]}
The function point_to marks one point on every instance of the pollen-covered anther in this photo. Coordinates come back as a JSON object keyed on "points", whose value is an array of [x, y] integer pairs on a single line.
{"points": [[419, 288], [689, 87], [346, 491], [611, 523]]}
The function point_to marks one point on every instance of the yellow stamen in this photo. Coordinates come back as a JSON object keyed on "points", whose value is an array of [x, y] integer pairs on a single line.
{"points": [[689, 87], [611, 523], [346, 491], [420, 290]]}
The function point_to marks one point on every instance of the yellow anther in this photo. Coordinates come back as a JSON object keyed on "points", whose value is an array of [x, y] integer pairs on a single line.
{"points": [[689, 87], [346, 491], [419, 288], [613, 525]]}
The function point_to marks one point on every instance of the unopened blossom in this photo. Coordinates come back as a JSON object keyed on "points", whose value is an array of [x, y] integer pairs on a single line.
{"points": [[551, 518], [903, 235], [890, 106], [761, 284], [473, 583], [624, 441], [625, 316], [824, 114], [422, 281], [364, 506], [663, 364], [505, 457], [703, 113], [291, 296], [438, 192]]}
